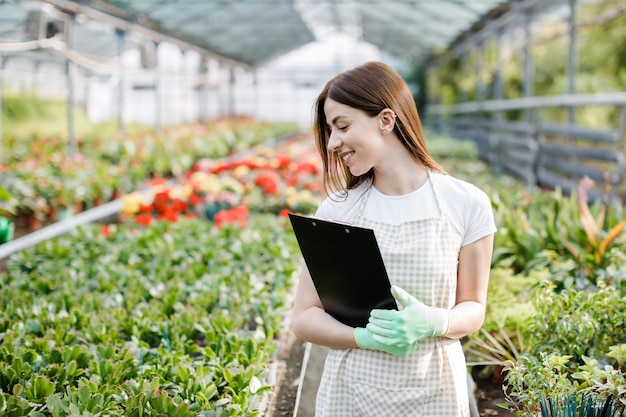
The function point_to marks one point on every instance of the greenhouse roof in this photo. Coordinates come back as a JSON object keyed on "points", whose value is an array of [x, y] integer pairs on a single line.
{"points": [[251, 32]]}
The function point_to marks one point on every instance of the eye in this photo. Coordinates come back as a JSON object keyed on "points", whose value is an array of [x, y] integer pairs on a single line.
{"points": [[342, 128]]}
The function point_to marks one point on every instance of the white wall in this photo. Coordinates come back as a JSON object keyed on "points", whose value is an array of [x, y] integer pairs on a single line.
{"points": [[283, 89]]}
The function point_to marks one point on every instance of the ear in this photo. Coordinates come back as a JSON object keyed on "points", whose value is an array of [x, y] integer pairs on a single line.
{"points": [[387, 119]]}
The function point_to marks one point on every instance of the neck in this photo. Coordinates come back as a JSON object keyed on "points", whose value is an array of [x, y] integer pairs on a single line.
{"points": [[400, 181]]}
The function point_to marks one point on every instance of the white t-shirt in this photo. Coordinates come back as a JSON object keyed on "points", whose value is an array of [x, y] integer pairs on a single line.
{"points": [[467, 207]]}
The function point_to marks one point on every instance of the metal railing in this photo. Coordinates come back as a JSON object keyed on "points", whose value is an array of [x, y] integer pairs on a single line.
{"points": [[542, 152]]}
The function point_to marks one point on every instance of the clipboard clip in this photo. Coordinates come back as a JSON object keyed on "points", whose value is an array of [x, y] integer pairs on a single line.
{"points": [[333, 221]]}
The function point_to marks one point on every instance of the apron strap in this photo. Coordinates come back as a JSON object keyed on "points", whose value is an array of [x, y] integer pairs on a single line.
{"points": [[363, 199], [440, 205], [366, 194]]}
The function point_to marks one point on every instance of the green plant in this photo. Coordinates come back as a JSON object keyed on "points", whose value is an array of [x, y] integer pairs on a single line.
{"points": [[587, 406], [576, 342], [519, 241], [8, 203], [590, 250], [577, 323], [494, 348], [160, 320], [574, 239], [509, 311]]}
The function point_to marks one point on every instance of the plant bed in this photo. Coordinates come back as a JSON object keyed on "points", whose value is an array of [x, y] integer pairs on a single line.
{"points": [[162, 319], [542, 236]]}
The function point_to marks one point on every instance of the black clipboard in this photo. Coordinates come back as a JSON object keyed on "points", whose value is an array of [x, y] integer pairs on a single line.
{"points": [[346, 267]]}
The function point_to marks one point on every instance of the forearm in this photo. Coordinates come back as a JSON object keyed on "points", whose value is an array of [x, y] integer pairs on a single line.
{"points": [[316, 326], [465, 318]]}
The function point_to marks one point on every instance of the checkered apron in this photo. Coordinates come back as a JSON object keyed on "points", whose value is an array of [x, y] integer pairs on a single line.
{"points": [[431, 382]]}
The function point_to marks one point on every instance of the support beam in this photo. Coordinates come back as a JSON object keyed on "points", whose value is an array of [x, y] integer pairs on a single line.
{"points": [[499, 81], [566, 100], [70, 69], [1, 101], [74, 7], [529, 78], [120, 38], [572, 58], [513, 17]]}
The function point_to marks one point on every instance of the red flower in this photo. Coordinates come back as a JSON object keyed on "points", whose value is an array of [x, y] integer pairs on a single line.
{"points": [[313, 186], [292, 180], [236, 215], [249, 163], [283, 161], [194, 200], [268, 183], [179, 205], [105, 231], [307, 167], [143, 219], [156, 181], [145, 208], [168, 213], [162, 196], [284, 213]]}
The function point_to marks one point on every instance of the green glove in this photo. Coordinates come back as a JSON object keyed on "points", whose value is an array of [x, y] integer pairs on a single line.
{"points": [[412, 322], [364, 338]]}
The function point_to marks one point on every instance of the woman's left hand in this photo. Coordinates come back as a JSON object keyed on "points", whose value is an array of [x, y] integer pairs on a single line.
{"points": [[412, 322]]}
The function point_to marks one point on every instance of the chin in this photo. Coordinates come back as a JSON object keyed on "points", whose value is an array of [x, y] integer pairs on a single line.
{"points": [[358, 172]]}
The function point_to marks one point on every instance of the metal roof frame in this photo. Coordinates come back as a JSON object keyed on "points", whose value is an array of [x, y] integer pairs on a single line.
{"points": [[248, 33]]}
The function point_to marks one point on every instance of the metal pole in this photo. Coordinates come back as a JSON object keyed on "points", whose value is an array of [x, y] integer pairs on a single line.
{"points": [[528, 63], [70, 68], [499, 82], [202, 93], [255, 94], [158, 123], [499, 87], [463, 69], [231, 91], [120, 37], [572, 61], [1, 98], [479, 69]]}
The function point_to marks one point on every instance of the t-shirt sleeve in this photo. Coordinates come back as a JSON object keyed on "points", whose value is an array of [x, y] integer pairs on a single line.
{"points": [[480, 220], [325, 210], [340, 208]]}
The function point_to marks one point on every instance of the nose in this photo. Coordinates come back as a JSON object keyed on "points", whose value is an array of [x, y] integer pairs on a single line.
{"points": [[334, 143]]}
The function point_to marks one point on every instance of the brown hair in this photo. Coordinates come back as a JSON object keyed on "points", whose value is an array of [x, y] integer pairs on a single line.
{"points": [[370, 87]]}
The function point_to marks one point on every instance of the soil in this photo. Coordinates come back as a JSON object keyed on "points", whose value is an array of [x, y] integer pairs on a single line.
{"points": [[489, 397], [285, 392]]}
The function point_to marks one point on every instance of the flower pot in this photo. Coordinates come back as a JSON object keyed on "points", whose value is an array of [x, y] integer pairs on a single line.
{"points": [[33, 223]]}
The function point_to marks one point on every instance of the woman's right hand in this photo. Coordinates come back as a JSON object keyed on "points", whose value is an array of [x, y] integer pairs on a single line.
{"points": [[365, 340]]}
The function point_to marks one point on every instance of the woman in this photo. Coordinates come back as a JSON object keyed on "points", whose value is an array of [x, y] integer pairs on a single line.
{"points": [[435, 233]]}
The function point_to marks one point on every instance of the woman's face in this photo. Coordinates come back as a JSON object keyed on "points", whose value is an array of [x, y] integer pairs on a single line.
{"points": [[354, 136]]}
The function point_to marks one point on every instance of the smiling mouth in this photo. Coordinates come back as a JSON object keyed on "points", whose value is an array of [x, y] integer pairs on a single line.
{"points": [[346, 156]]}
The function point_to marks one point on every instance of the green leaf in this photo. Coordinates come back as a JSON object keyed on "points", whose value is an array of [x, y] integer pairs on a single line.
{"points": [[42, 388]]}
